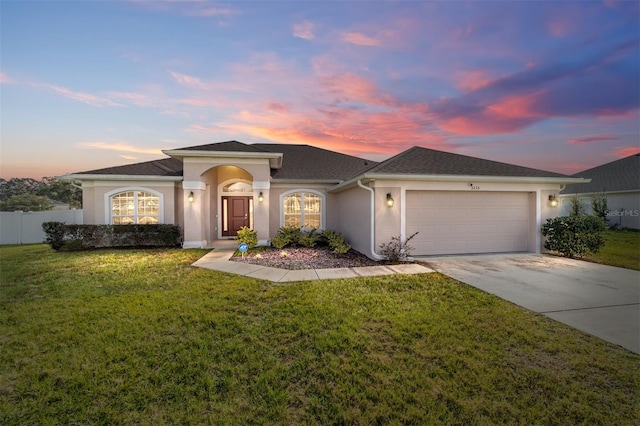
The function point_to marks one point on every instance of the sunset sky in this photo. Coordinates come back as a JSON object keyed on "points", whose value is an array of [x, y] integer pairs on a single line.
{"points": [[88, 84]]}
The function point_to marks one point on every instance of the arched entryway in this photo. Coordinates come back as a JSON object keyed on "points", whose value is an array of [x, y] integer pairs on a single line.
{"points": [[237, 209], [226, 196]]}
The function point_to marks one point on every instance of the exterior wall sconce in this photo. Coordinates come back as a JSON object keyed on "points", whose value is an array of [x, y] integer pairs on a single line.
{"points": [[389, 200], [553, 200], [260, 197], [190, 197]]}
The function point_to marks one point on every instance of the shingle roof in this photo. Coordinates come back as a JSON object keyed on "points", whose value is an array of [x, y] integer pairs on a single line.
{"points": [[229, 146], [424, 161], [165, 167], [619, 175], [304, 162]]}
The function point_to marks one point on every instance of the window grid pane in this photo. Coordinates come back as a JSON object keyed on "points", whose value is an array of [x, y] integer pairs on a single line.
{"points": [[302, 210], [135, 207]]}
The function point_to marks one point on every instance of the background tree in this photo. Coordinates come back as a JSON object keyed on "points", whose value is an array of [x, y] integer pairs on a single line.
{"points": [[599, 205], [18, 186], [50, 187], [576, 208], [25, 202]]}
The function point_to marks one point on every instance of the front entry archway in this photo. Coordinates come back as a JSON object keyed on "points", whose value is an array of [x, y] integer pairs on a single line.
{"points": [[236, 213]]}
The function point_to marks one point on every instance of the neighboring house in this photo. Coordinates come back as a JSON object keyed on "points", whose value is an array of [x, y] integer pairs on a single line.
{"points": [[620, 182], [458, 204]]}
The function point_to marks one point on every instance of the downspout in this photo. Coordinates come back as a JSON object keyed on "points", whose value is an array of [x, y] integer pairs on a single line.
{"points": [[375, 255], [75, 185]]}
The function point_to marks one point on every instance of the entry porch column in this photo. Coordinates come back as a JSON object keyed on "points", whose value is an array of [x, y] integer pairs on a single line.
{"points": [[193, 200]]}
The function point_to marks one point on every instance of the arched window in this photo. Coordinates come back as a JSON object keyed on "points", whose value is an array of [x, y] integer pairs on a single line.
{"points": [[238, 187], [135, 207], [303, 210]]}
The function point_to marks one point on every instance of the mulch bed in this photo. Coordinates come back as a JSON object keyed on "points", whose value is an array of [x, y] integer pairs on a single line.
{"points": [[304, 258]]}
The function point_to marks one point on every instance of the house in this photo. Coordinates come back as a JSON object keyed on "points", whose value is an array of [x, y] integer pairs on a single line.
{"points": [[458, 204], [620, 182]]}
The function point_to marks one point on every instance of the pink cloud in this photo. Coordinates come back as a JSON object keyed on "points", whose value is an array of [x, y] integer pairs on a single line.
{"points": [[134, 98], [593, 139], [277, 107], [304, 30], [558, 28], [517, 106], [571, 168], [507, 115], [86, 98], [360, 39], [189, 81], [119, 146], [626, 151], [471, 80], [349, 87], [4, 78], [194, 102]]}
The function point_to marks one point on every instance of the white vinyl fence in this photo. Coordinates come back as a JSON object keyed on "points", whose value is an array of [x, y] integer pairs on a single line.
{"points": [[26, 227]]}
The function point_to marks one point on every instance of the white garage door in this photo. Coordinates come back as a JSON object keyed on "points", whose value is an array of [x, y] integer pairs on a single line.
{"points": [[467, 222]]}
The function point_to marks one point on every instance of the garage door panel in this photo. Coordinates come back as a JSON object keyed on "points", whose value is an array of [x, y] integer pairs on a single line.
{"points": [[463, 222]]}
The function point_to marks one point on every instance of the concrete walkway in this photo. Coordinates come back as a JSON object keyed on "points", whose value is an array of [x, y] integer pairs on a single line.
{"points": [[601, 300], [218, 260]]}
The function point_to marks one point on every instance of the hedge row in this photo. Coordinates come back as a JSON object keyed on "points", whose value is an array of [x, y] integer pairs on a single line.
{"points": [[82, 237]]}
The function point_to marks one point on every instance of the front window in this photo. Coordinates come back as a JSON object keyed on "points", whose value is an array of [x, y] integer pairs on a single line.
{"points": [[303, 210], [135, 207], [238, 187]]}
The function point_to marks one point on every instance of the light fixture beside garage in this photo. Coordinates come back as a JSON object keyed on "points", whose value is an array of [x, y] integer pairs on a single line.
{"points": [[190, 197], [389, 200], [553, 200], [260, 197]]}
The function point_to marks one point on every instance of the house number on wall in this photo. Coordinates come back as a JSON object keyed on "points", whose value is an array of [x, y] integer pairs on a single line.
{"points": [[474, 187]]}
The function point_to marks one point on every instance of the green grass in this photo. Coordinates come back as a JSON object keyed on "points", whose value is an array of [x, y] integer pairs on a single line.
{"points": [[622, 248], [113, 337]]}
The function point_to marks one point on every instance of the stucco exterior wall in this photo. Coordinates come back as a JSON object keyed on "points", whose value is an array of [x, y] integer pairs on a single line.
{"points": [[354, 212], [388, 219], [330, 209], [390, 222], [623, 207], [94, 197]]}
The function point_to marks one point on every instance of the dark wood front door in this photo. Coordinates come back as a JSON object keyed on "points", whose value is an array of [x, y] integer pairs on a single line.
{"points": [[235, 215]]}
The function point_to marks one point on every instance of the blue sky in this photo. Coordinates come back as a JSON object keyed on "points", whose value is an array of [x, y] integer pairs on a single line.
{"points": [[90, 84]]}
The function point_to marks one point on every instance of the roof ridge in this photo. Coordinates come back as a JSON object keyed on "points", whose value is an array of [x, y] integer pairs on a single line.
{"points": [[392, 159], [160, 164]]}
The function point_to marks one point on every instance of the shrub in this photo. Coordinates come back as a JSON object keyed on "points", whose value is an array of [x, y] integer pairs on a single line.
{"points": [[574, 235], [397, 250], [292, 236], [54, 234], [247, 236], [308, 238], [81, 237], [279, 242], [336, 241], [287, 236]]}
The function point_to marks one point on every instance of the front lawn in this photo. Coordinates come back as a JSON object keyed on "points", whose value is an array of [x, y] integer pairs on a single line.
{"points": [[622, 248], [113, 337]]}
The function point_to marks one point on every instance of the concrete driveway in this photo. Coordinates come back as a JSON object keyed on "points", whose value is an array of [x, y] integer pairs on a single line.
{"points": [[601, 300]]}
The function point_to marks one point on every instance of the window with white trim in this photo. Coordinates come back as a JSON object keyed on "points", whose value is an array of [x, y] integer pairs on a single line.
{"points": [[135, 207], [302, 210]]}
